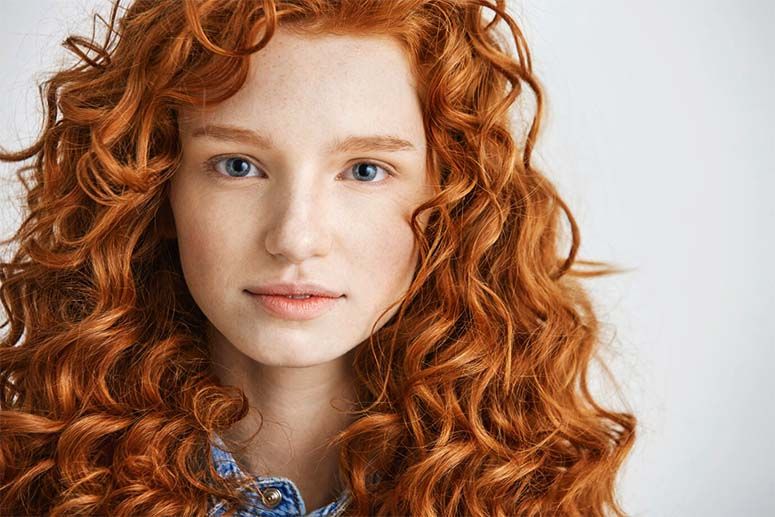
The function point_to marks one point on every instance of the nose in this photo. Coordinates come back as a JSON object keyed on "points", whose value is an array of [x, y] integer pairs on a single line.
{"points": [[298, 224]]}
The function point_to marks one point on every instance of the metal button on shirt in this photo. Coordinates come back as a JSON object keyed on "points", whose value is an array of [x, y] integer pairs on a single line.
{"points": [[271, 497], [274, 496]]}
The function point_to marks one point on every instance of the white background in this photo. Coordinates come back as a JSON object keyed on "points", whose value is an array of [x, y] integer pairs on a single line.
{"points": [[659, 136]]}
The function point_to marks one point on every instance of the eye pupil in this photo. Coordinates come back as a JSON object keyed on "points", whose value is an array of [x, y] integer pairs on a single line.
{"points": [[361, 168], [239, 165]]}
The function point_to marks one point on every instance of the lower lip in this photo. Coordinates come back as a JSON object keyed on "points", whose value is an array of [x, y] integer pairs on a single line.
{"points": [[295, 309]]}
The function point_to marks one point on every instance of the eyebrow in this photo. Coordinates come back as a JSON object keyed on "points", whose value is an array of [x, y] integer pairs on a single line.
{"points": [[352, 143]]}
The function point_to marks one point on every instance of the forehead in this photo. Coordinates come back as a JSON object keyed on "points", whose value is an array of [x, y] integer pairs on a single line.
{"points": [[301, 82]]}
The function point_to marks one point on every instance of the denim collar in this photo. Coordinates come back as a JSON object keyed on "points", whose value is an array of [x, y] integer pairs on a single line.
{"points": [[290, 502]]}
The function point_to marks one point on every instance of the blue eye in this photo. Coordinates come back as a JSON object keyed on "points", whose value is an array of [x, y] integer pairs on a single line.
{"points": [[367, 170], [233, 166]]}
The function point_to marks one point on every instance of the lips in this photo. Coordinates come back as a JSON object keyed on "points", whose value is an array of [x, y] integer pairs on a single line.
{"points": [[283, 307], [294, 289]]}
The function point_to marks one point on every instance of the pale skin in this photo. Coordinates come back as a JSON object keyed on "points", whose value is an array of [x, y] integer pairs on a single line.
{"points": [[302, 212]]}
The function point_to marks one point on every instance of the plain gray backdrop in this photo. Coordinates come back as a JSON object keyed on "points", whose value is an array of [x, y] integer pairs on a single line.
{"points": [[659, 134]]}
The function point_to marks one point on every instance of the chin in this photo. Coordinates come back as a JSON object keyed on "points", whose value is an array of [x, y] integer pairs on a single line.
{"points": [[294, 355]]}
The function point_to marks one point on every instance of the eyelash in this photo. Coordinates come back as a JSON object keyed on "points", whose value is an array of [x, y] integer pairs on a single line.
{"points": [[211, 167]]}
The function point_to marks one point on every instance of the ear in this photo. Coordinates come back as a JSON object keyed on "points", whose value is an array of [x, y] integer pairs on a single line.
{"points": [[165, 221]]}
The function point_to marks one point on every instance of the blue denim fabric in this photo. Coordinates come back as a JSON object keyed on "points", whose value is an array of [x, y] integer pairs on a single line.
{"points": [[291, 503]]}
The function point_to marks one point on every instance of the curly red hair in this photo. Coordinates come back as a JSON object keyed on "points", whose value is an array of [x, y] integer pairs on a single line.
{"points": [[474, 397]]}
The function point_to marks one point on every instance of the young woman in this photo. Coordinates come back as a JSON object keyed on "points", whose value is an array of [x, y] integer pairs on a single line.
{"points": [[289, 257]]}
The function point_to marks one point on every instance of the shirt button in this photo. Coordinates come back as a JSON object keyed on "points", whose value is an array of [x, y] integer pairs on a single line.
{"points": [[271, 497]]}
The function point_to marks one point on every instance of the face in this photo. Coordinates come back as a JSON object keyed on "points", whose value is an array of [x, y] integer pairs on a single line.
{"points": [[308, 174]]}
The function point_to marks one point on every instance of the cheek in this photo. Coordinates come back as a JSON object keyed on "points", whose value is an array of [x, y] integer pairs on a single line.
{"points": [[388, 255], [202, 241], [199, 250]]}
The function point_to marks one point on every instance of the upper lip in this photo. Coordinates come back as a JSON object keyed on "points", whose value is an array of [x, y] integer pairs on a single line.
{"points": [[297, 289]]}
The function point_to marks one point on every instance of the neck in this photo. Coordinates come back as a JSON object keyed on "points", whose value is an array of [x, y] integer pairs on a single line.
{"points": [[299, 409]]}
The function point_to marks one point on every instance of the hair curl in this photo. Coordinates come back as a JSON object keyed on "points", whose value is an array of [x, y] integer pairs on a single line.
{"points": [[473, 398]]}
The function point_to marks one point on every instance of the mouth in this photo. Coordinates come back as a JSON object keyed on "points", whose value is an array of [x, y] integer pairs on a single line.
{"points": [[295, 307]]}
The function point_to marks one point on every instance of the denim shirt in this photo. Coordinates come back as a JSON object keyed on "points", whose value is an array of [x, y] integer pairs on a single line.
{"points": [[281, 496]]}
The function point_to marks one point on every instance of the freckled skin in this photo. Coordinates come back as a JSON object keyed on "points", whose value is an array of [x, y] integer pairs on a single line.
{"points": [[301, 214], [299, 221]]}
